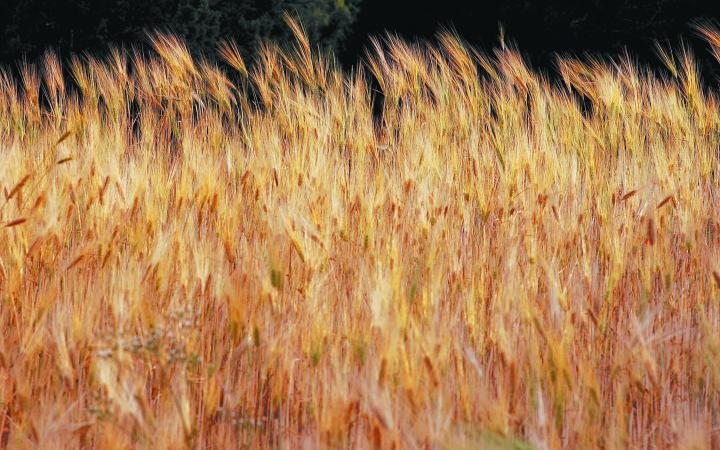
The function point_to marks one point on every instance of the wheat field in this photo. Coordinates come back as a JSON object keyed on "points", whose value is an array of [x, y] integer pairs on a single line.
{"points": [[250, 256]]}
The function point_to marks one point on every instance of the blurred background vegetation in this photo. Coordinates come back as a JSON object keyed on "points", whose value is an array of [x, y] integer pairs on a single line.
{"points": [[29, 27], [540, 28]]}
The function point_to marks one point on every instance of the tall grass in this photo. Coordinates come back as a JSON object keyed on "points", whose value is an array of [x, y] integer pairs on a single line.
{"points": [[496, 261]]}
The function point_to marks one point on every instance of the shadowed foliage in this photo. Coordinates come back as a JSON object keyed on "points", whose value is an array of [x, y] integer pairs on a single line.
{"points": [[29, 27]]}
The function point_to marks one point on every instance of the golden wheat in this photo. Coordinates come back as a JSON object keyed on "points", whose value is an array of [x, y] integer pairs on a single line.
{"points": [[494, 261]]}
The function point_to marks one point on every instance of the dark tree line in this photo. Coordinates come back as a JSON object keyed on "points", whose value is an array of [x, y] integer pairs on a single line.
{"points": [[29, 27], [540, 27]]}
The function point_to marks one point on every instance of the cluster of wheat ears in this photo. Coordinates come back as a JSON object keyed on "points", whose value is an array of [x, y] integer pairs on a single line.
{"points": [[493, 260]]}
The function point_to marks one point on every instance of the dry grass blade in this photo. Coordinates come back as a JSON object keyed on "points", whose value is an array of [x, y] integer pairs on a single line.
{"points": [[62, 139], [666, 200], [231, 54], [17, 187], [16, 222], [628, 195], [711, 36]]}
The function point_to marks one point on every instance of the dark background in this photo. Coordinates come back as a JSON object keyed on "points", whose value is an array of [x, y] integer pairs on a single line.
{"points": [[540, 28], [543, 28]]}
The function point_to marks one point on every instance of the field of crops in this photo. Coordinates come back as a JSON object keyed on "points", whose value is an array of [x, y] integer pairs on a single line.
{"points": [[257, 255]]}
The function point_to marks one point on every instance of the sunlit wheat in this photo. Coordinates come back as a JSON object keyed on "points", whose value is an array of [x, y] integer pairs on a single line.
{"points": [[195, 258]]}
